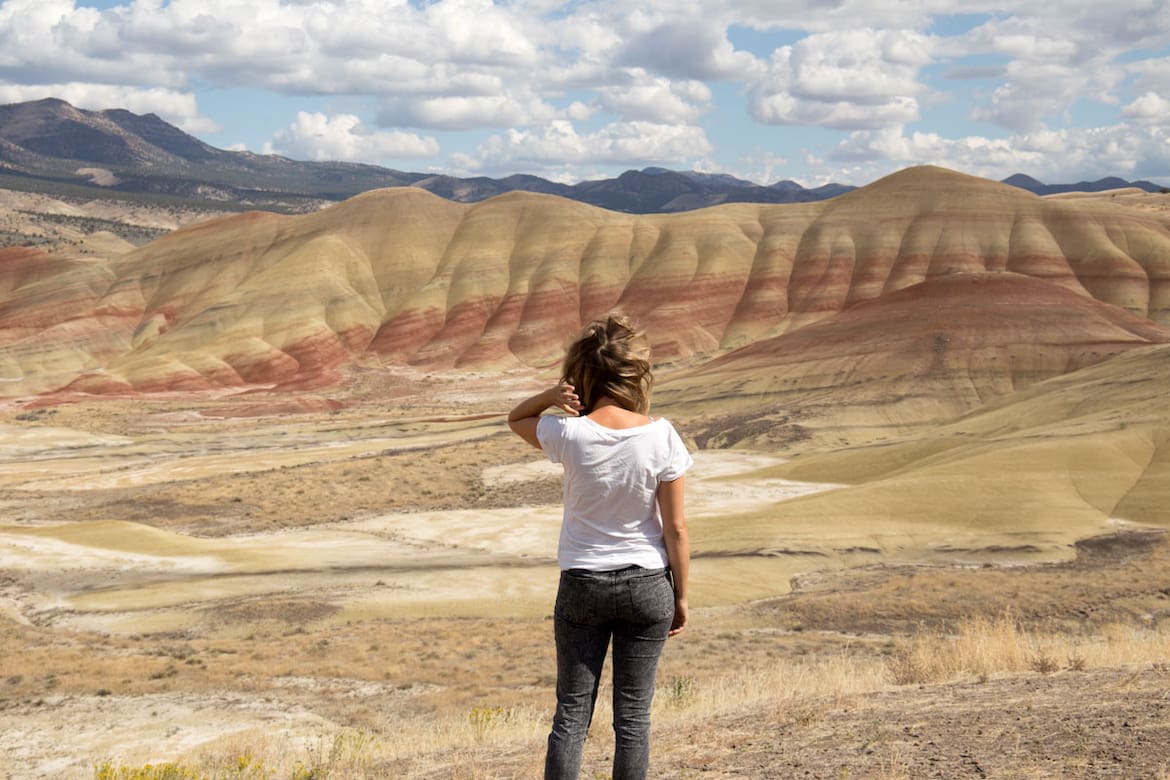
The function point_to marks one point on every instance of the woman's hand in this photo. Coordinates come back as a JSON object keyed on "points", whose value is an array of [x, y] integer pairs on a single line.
{"points": [[680, 617], [523, 419], [565, 398]]}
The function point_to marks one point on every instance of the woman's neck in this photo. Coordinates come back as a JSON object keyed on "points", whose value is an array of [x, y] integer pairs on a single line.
{"points": [[610, 414]]}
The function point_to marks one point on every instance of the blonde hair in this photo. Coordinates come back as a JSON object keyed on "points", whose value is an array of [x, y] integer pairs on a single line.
{"points": [[610, 357]]}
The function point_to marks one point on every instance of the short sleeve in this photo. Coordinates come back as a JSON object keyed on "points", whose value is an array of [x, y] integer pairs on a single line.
{"points": [[550, 432], [678, 459]]}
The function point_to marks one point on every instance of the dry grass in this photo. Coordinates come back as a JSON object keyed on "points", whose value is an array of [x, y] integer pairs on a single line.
{"points": [[472, 698], [488, 740], [982, 647]]}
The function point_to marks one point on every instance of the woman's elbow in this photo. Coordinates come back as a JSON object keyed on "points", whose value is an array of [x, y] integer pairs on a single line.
{"points": [[525, 428]]}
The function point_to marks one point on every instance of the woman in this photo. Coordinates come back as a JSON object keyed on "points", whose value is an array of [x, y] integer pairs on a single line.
{"points": [[623, 550]]}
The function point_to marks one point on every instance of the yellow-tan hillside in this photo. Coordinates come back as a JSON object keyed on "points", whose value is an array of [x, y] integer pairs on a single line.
{"points": [[1064, 459], [919, 356], [403, 277]]}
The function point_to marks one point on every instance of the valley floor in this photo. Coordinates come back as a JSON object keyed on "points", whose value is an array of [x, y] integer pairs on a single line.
{"points": [[1071, 683], [256, 597]]}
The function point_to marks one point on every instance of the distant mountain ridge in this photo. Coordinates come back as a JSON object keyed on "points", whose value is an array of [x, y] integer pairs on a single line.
{"points": [[51, 146], [1025, 182]]}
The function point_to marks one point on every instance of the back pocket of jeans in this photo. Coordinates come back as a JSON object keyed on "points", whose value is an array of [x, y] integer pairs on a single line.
{"points": [[651, 598], [579, 599]]}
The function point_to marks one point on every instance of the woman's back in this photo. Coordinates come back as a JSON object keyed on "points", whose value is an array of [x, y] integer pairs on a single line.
{"points": [[611, 517]]}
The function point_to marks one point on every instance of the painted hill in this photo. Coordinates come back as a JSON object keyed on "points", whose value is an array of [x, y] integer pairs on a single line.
{"points": [[919, 356], [1061, 459], [910, 267]]}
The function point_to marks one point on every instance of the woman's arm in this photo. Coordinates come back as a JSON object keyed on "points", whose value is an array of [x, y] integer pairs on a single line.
{"points": [[678, 548], [523, 419]]}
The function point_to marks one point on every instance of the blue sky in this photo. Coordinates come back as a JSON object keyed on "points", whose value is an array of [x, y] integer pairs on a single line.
{"points": [[762, 89]]}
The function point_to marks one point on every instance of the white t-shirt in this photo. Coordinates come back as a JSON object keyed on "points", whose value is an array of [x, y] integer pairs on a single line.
{"points": [[611, 486]]}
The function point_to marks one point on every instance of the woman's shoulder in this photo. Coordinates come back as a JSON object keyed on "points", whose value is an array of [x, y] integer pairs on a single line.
{"points": [[560, 421], [669, 435]]}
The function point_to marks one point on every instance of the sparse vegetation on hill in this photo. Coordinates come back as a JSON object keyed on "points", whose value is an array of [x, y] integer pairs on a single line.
{"points": [[73, 226], [135, 234]]}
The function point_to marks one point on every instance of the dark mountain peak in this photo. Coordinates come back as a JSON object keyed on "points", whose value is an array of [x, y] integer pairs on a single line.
{"points": [[45, 107], [830, 190], [642, 182], [114, 113], [720, 180], [785, 185], [54, 129], [650, 173], [530, 183], [470, 190], [156, 132], [22, 121], [1108, 183], [1023, 181]]}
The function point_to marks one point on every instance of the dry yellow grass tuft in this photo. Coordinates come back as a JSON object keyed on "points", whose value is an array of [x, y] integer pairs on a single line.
{"points": [[984, 646]]}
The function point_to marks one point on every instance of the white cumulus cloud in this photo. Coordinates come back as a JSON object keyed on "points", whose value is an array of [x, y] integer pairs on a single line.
{"points": [[850, 79], [1060, 54], [463, 112], [608, 82], [657, 100], [625, 143], [687, 49], [1150, 108], [315, 136], [1063, 155], [1039, 92]]}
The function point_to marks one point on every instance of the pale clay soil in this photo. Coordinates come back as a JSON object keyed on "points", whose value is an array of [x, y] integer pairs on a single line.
{"points": [[229, 554]]}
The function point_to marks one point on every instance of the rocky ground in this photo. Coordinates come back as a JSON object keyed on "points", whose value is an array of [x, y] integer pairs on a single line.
{"points": [[1111, 723]]}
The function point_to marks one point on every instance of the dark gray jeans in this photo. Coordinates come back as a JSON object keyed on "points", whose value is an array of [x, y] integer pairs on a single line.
{"points": [[635, 607]]}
